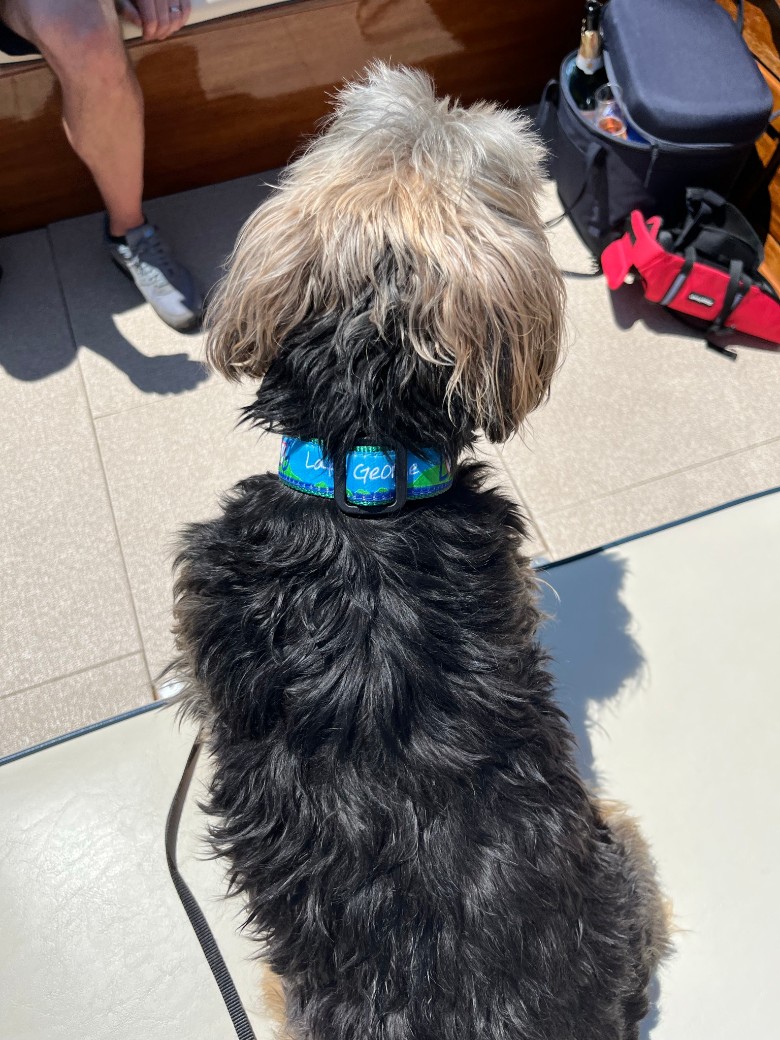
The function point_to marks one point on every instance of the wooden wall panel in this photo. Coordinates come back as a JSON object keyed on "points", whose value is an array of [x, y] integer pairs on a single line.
{"points": [[235, 96], [761, 30]]}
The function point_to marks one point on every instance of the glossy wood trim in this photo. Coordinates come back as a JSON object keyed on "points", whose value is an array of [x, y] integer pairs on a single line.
{"points": [[770, 268], [762, 35], [238, 95], [761, 30], [765, 149]]}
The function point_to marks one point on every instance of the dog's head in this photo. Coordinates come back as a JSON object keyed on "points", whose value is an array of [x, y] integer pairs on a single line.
{"points": [[411, 224]]}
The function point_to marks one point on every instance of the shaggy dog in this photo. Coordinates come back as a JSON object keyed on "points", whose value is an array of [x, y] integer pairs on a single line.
{"points": [[394, 789]]}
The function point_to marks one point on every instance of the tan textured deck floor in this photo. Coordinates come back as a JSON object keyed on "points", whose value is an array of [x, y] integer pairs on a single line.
{"points": [[113, 437]]}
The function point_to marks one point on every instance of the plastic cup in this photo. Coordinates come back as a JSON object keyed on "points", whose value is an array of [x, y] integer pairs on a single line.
{"points": [[609, 114]]}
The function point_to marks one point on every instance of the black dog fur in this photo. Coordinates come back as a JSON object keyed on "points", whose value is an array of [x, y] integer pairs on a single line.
{"points": [[394, 788]]}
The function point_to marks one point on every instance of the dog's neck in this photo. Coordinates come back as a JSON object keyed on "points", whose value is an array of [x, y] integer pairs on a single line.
{"points": [[336, 382]]}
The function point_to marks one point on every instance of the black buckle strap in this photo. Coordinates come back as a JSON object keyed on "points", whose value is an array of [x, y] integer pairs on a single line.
{"points": [[199, 923]]}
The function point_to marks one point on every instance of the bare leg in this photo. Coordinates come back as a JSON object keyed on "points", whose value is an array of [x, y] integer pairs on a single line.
{"points": [[101, 99]]}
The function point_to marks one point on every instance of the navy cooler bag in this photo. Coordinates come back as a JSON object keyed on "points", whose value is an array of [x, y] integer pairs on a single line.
{"points": [[690, 87]]}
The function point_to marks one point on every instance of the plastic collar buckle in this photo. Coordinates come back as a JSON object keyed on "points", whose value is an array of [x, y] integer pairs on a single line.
{"points": [[400, 470]]}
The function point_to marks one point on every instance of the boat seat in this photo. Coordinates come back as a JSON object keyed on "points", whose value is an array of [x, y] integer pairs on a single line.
{"points": [[664, 648]]}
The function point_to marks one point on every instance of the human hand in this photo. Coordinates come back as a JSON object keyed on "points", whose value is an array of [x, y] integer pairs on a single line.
{"points": [[157, 18]]}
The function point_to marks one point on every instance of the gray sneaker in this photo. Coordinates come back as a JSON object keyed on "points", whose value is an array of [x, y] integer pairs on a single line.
{"points": [[160, 278]]}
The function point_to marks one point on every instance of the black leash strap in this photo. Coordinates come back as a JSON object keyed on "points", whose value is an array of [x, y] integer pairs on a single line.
{"points": [[197, 920]]}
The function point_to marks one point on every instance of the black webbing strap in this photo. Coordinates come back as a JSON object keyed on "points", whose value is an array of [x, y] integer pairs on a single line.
{"points": [[690, 260], [736, 270], [707, 204], [740, 19], [680, 278], [197, 920]]}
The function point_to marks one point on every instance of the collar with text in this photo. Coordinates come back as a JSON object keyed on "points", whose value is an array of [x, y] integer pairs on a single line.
{"points": [[365, 484]]}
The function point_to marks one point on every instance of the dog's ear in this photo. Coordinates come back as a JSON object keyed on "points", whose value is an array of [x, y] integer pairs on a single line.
{"points": [[482, 292], [268, 289], [495, 308]]}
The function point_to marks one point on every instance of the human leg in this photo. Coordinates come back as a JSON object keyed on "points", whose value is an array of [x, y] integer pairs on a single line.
{"points": [[103, 119], [101, 99]]}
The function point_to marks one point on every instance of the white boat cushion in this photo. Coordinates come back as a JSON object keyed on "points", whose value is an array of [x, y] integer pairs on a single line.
{"points": [[665, 652]]}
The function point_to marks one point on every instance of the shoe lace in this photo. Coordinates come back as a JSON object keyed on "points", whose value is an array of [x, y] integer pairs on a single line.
{"points": [[153, 253]]}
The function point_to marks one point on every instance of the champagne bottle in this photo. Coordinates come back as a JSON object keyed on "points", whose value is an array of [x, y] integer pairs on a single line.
{"points": [[588, 73]]}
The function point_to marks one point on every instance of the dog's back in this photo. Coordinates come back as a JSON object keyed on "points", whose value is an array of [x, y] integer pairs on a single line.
{"points": [[394, 787]]}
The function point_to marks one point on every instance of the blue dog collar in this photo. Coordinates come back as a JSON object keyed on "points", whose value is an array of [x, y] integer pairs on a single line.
{"points": [[369, 477]]}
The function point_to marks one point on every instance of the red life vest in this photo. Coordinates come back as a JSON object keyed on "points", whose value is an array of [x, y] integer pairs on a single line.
{"points": [[730, 294]]}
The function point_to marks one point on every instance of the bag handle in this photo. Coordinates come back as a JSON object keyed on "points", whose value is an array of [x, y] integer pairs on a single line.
{"points": [[594, 150], [198, 921], [706, 202], [550, 96], [546, 118]]}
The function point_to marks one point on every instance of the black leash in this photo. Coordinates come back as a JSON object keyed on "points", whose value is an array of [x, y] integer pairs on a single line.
{"points": [[200, 926]]}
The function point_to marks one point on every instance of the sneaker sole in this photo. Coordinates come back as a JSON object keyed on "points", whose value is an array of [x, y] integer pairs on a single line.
{"points": [[189, 326]]}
